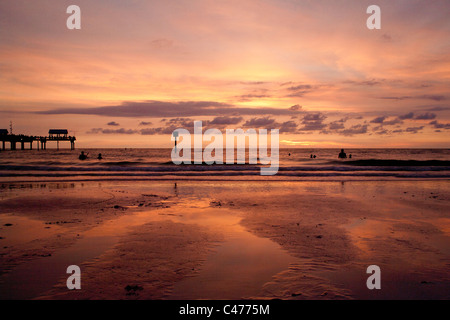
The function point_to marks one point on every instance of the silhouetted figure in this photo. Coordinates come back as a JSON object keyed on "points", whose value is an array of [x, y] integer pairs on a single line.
{"points": [[311, 156], [349, 156], [289, 154], [99, 156], [315, 156], [342, 155], [83, 156]]}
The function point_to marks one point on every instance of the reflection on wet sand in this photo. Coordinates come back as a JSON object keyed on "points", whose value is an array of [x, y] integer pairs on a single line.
{"points": [[225, 240], [239, 266]]}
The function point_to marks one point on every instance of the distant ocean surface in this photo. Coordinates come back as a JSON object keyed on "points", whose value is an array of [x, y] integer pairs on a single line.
{"points": [[365, 164]]}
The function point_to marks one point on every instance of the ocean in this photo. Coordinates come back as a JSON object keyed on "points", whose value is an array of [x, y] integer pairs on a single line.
{"points": [[294, 164]]}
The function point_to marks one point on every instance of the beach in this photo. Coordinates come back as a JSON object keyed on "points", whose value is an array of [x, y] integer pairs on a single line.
{"points": [[218, 239]]}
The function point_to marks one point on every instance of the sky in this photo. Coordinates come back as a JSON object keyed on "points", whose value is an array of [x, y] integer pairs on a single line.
{"points": [[137, 70]]}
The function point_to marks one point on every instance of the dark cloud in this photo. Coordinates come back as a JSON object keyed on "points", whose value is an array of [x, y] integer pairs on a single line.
{"points": [[298, 94], [170, 109], [438, 125], [148, 109], [119, 131], [295, 107], [301, 121], [113, 123], [313, 121], [409, 115], [378, 120], [414, 129], [433, 97], [112, 131], [253, 83], [396, 98], [314, 116], [252, 96], [226, 120], [300, 90], [426, 116], [336, 125], [151, 131], [181, 122], [392, 122], [95, 131], [380, 130], [259, 122], [161, 130], [288, 127], [300, 87], [356, 129], [218, 122], [268, 123]]}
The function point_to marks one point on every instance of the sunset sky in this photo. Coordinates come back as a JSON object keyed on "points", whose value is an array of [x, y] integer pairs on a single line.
{"points": [[137, 70]]}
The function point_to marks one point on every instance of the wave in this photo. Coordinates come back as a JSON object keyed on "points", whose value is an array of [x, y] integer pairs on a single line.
{"points": [[359, 169], [234, 167], [396, 163], [218, 174]]}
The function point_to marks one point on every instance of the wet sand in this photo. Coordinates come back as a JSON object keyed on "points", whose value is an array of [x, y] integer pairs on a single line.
{"points": [[225, 240]]}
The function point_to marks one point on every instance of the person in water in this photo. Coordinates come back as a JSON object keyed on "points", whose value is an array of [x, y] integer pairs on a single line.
{"points": [[342, 155], [83, 156], [99, 156]]}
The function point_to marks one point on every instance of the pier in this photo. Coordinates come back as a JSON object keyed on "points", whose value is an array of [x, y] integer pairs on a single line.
{"points": [[55, 135]]}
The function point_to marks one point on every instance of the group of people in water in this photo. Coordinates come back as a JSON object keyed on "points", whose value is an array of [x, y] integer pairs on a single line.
{"points": [[342, 155], [84, 156]]}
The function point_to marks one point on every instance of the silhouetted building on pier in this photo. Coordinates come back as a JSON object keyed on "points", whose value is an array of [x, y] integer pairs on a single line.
{"points": [[53, 135]]}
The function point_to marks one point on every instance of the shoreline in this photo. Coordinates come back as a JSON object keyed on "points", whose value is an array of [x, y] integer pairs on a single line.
{"points": [[228, 179]]}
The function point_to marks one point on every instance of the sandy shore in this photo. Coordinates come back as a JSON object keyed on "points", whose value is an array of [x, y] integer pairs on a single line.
{"points": [[221, 240]]}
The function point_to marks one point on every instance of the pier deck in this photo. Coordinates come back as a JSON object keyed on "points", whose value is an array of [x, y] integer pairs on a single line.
{"points": [[54, 135]]}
